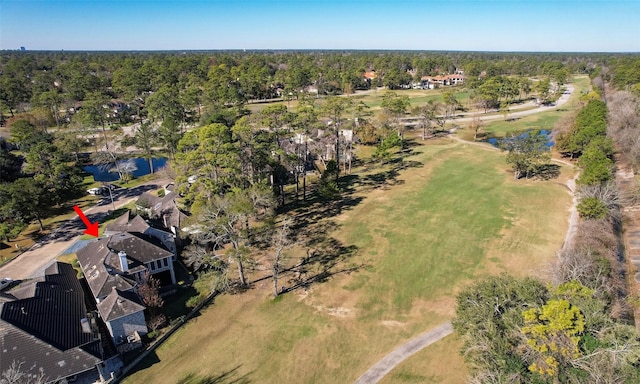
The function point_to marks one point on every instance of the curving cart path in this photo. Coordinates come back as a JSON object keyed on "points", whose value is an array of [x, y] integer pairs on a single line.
{"points": [[389, 362]]}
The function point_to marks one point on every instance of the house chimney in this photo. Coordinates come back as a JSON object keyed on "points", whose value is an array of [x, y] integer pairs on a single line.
{"points": [[124, 264]]}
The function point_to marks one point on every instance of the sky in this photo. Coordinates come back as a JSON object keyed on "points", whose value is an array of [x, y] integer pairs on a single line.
{"points": [[463, 25]]}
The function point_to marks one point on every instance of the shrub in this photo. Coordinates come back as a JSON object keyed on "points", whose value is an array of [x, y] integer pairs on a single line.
{"points": [[592, 208], [194, 301]]}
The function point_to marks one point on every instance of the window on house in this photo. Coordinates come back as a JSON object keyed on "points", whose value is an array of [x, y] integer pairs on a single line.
{"points": [[165, 262], [158, 264]]}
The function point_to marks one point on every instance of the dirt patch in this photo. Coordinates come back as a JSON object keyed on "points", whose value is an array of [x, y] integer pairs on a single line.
{"points": [[392, 323], [442, 306]]}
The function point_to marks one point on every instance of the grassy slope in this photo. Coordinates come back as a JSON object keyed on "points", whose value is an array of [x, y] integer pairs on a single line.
{"points": [[453, 217]]}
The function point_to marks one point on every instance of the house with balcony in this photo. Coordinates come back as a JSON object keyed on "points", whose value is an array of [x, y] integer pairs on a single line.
{"points": [[113, 267], [137, 224]]}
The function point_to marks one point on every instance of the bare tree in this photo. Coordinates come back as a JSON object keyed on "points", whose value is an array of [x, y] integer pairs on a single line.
{"points": [[476, 125], [623, 122], [607, 363], [580, 265], [149, 292], [429, 117], [227, 222], [606, 193], [281, 242], [16, 375]]}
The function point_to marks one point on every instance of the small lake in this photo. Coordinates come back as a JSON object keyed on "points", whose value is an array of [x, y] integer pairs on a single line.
{"points": [[101, 173], [550, 143]]}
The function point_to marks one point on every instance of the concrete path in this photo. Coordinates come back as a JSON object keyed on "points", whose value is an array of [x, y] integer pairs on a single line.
{"points": [[513, 114], [33, 261], [392, 360]]}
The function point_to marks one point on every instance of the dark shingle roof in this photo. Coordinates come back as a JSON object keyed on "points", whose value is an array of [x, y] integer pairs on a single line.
{"points": [[118, 304], [125, 223], [163, 206], [44, 331], [101, 264], [18, 346], [56, 300], [138, 247], [101, 276]]}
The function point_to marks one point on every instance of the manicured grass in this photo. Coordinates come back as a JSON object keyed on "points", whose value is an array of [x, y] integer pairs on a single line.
{"points": [[420, 234]]}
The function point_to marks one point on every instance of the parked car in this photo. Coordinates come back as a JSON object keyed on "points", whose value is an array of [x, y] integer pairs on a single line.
{"points": [[95, 191], [5, 282]]}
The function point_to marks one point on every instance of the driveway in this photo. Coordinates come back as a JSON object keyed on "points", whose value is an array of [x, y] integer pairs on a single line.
{"points": [[33, 261]]}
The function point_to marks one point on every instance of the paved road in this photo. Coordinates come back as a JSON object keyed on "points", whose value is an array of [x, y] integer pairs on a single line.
{"points": [[517, 114], [33, 261], [389, 362], [514, 113]]}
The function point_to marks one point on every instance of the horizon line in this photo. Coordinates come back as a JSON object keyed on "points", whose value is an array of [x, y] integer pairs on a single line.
{"points": [[304, 49]]}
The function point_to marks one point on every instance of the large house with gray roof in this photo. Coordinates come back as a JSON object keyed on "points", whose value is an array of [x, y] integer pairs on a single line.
{"points": [[137, 224], [48, 330], [114, 265]]}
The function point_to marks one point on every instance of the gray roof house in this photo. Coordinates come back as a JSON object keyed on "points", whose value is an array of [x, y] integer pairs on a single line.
{"points": [[164, 208], [47, 330], [136, 224], [123, 314], [112, 267]]}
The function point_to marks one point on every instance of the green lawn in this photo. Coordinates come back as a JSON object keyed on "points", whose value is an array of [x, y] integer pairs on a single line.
{"points": [[419, 234]]}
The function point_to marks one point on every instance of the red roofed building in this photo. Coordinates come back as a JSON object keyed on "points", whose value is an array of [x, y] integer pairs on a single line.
{"points": [[370, 75], [432, 82]]}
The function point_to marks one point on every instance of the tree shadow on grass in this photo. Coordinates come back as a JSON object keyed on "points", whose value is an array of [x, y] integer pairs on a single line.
{"points": [[383, 179], [547, 171], [149, 360], [327, 256], [229, 377]]}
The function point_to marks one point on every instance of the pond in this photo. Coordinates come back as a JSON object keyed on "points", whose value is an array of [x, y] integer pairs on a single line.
{"points": [[495, 141], [141, 165]]}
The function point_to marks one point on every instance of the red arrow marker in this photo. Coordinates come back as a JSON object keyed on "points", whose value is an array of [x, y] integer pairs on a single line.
{"points": [[92, 228]]}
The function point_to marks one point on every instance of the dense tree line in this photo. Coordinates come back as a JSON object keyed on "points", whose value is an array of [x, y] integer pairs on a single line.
{"points": [[625, 73], [54, 79], [44, 177]]}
